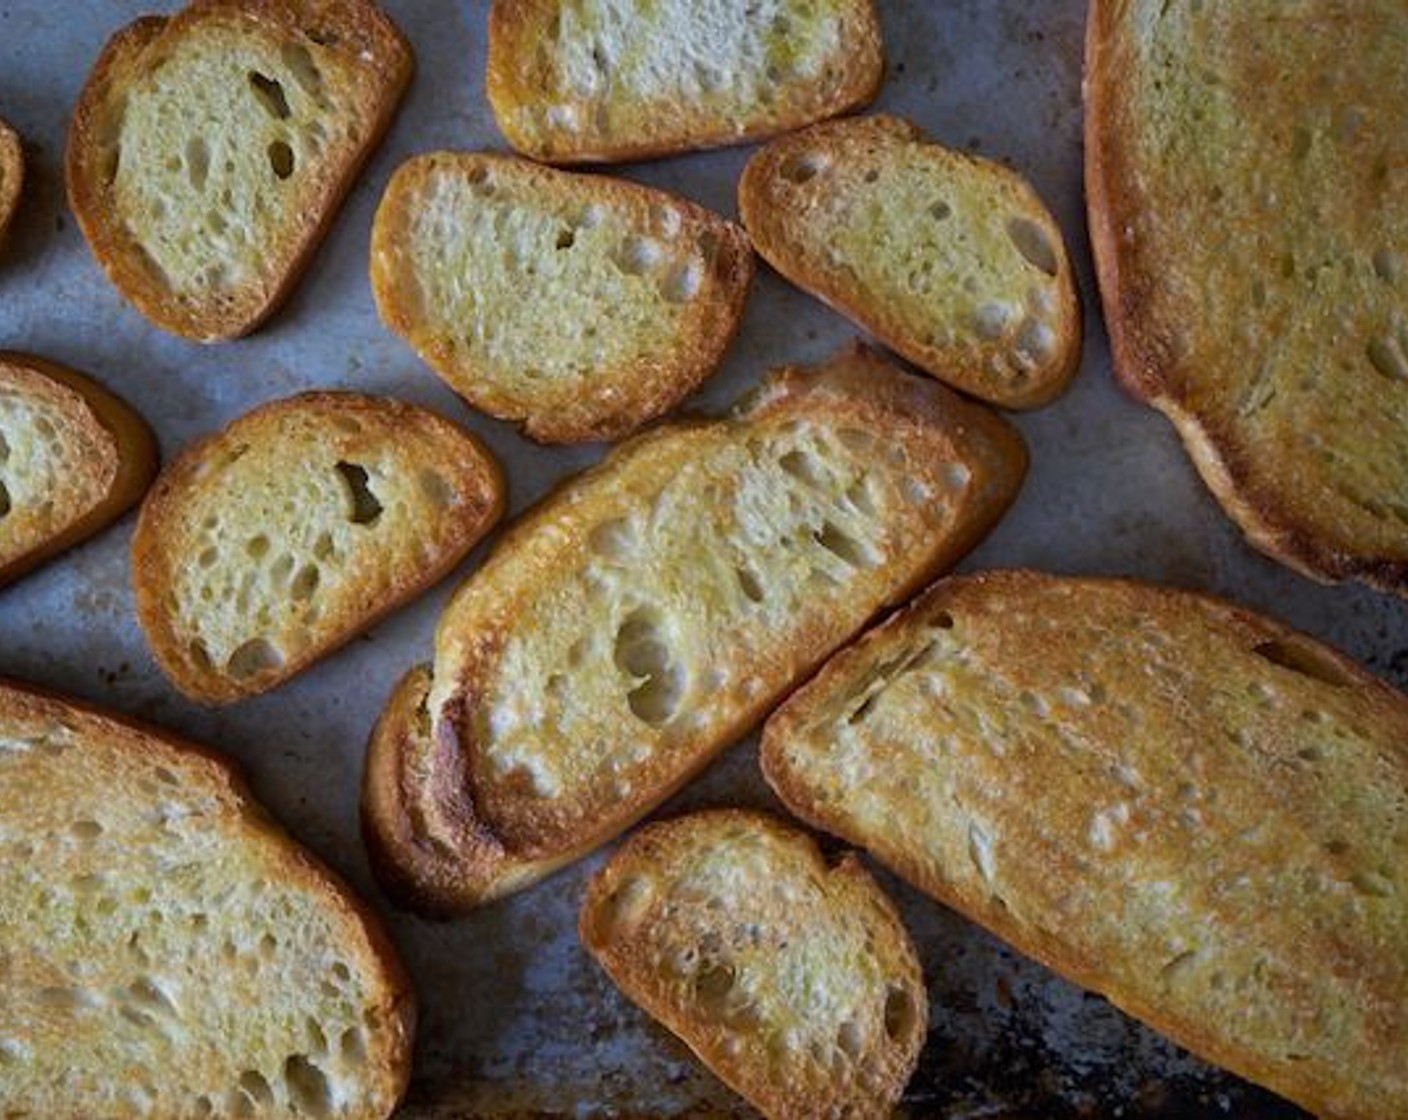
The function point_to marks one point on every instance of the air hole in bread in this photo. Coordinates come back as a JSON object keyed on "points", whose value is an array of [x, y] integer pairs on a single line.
{"points": [[300, 64], [86, 830], [643, 654], [901, 1016], [437, 491], [353, 1046], [365, 508], [846, 548], [991, 319], [305, 584], [270, 95], [1386, 354], [307, 1086], [872, 176], [625, 907], [615, 539], [1388, 266], [255, 657], [566, 238], [637, 256], [1035, 341], [281, 159], [1373, 884], [1032, 242], [752, 588], [712, 984], [197, 162], [941, 211], [66, 999], [323, 547], [257, 547], [682, 283], [1305, 660], [850, 1039], [803, 167], [805, 468], [4, 499], [4, 448]]}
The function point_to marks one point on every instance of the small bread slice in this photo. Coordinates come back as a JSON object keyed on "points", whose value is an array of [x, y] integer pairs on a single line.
{"points": [[650, 612], [950, 260], [1193, 810], [168, 950], [1249, 220], [209, 152], [577, 81], [578, 305], [790, 976], [271, 543], [11, 176], [73, 459]]}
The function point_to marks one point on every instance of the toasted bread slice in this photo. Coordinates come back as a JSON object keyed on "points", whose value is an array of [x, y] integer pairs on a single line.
{"points": [[11, 176], [73, 459], [266, 546], [793, 979], [950, 260], [1247, 212], [1193, 810], [167, 949], [210, 152], [651, 611], [602, 80], [578, 305]]}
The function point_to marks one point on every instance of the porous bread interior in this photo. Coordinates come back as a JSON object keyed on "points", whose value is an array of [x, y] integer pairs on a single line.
{"points": [[533, 287], [789, 977], [163, 952]]}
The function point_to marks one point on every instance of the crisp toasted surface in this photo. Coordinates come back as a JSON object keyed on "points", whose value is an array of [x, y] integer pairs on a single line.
{"points": [[11, 175], [578, 305], [276, 540], [1246, 170], [73, 459], [950, 260], [167, 949], [209, 152], [793, 980], [648, 613], [1196, 811], [598, 80]]}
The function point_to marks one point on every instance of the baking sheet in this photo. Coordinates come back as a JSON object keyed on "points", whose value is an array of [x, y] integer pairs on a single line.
{"points": [[514, 1017]]}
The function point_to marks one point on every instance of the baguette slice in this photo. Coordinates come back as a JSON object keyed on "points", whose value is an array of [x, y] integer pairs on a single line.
{"points": [[73, 459], [210, 152], [11, 176], [650, 612], [601, 80], [1249, 216], [950, 260], [579, 306], [167, 949], [792, 978], [271, 543], [1193, 810]]}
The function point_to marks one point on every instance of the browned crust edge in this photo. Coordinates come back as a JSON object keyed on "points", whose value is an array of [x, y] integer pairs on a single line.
{"points": [[149, 560], [381, 46], [1142, 365], [137, 459], [11, 176], [399, 996]]}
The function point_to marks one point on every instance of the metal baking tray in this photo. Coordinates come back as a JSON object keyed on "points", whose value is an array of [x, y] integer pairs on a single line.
{"points": [[514, 1017]]}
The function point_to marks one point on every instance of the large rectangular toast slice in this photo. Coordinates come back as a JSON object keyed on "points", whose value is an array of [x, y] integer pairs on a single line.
{"points": [[166, 949], [210, 151], [651, 611], [1246, 168], [1193, 810]]}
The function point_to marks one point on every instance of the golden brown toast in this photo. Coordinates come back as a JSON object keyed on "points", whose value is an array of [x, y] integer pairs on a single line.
{"points": [[209, 152], [167, 949], [1193, 810], [11, 176], [73, 459], [1245, 170], [790, 976], [652, 610]]}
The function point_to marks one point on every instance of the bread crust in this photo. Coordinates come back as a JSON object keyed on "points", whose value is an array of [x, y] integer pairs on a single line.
{"points": [[291, 440], [790, 195], [1086, 800], [522, 84], [11, 176], [613, 399], [1293, 505], [117, 465], [352, 33], [436, 805], [657, 944], [391, 1003]]}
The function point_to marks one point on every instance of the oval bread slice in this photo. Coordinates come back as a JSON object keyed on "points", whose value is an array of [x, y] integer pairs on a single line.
{"points": [[791, 977], [168, 950], [273, 542], [1193, 810], [11, 176], [574, 81], [73, 459], [209, 152], [650, 612], [950, 260], [580, 306]]}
